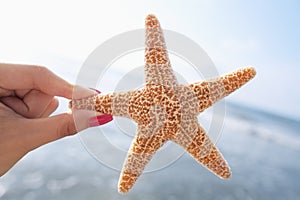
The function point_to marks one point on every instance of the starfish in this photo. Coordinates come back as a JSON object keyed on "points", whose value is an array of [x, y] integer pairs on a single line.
{"points": [[166, 111]]}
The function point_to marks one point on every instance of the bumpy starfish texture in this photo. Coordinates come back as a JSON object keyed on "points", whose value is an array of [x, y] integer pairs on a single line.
{"points": [[165, 110]]}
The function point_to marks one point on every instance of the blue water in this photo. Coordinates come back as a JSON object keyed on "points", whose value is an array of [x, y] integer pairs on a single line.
{"points": [[262, 150]]}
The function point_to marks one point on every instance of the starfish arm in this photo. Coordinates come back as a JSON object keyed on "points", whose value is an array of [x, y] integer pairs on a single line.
{"points": [[158, 69], [208, 92], [116, 104], [204, 151], [141, 151]]}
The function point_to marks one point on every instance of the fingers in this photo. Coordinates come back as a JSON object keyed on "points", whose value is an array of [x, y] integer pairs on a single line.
{"points": [[4, 92], [14, 103], [44, 130], [20, 77], [36, 102], [27, 77], [21, 93], [80, 92], [51, 108], [35, 88], [31, 105]]}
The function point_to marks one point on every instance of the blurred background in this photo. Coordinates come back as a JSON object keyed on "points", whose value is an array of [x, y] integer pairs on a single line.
{"points": [[260, 137]]}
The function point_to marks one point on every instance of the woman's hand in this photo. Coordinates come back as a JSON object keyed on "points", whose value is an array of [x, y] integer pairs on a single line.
{"points": [[27, 98]]}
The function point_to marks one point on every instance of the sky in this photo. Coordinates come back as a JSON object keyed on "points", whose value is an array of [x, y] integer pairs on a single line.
{"points": [[263, 34]]}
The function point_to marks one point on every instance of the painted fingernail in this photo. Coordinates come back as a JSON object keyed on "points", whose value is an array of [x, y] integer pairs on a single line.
{"points": [[100, 120], [95, 90]]}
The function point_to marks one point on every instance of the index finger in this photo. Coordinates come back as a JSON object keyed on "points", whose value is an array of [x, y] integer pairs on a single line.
{"points": [[17, 77]]}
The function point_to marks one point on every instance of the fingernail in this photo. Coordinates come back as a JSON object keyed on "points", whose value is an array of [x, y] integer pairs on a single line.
{"points": [[95, 90], [100, 120]]}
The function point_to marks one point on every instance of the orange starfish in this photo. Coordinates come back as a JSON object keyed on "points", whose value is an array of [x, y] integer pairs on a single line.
{"points": [[165, 110]]}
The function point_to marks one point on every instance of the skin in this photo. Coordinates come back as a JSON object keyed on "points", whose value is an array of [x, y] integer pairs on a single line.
{"points": [[27, 99]]}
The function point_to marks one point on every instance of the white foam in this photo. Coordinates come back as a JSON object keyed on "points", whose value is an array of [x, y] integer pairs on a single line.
{"points": [[266, 132]]}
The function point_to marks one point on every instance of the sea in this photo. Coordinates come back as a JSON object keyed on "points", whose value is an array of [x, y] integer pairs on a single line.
{"points": [[261, 148]]}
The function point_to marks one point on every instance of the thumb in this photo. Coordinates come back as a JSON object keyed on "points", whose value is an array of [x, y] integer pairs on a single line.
{"points": [[41, 131], [45, 130]]}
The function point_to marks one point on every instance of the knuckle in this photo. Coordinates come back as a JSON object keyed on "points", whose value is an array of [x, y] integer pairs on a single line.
{"points": [[41, 69], [42, 72]]}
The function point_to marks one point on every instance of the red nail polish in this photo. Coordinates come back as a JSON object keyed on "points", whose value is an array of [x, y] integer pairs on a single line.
{"points": [[95, 90], [100, 120]]}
